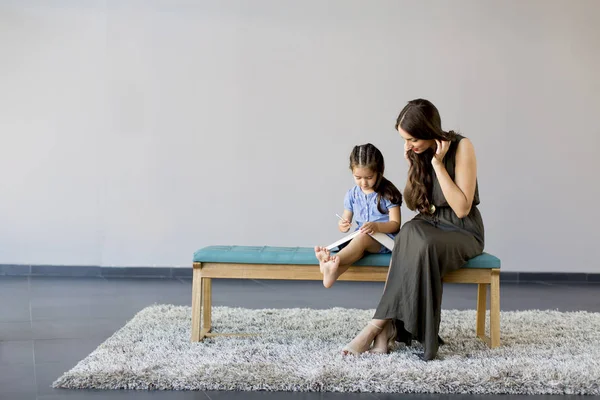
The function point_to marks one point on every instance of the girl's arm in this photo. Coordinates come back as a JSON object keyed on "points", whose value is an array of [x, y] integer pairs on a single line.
{"points": [[393, 225], [347, 215], [460, 192], [344, 226]]}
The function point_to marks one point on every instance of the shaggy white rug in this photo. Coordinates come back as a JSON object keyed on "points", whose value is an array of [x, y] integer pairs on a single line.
{"points": [[542, 352]]}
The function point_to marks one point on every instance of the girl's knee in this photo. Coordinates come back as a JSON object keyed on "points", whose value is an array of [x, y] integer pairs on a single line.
{"points": [[363, 239], [367, 243]]}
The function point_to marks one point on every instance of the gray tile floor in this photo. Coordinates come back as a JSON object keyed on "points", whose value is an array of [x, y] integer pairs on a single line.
{"points": [[49, 324]]}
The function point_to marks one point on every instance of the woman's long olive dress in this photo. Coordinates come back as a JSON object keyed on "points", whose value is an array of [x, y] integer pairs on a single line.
{"points": [[426, 249]]}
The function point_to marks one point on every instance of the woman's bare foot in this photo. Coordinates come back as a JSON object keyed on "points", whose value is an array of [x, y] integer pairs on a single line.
{"points": [[385, 341], [322, 255], [330, 271], [362, 341]]}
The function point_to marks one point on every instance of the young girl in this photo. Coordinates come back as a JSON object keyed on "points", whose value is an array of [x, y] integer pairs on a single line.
{"points": [[375, 204]]}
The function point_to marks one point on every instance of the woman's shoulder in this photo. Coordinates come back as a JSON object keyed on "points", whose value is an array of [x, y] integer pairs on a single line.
{"points": [[464, 142], [460, 149], [457, 137], [463, 150], [461, 141]]}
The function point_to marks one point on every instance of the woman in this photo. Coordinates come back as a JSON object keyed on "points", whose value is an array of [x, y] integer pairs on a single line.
{"points": [[447, 232]]}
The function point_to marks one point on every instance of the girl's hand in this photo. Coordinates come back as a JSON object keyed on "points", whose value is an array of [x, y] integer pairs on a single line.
{"points": [[440, 151], [344, 225], [369, 228]]}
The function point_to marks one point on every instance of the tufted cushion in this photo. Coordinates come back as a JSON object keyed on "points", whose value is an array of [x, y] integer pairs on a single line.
{"points": [[304, 255]]}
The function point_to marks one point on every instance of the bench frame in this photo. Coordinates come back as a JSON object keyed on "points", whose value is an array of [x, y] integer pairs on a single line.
{"points": [[203, 273]]}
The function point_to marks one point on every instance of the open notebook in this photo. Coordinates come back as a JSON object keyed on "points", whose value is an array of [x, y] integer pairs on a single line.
{"points": [[380, 237]]}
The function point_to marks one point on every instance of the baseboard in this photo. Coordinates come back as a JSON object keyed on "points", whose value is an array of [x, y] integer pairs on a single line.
{"points": [[184, 272], [94, 271]]}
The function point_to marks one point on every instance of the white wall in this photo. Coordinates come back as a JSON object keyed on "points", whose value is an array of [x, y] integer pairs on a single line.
{"points": [[135, 132]]}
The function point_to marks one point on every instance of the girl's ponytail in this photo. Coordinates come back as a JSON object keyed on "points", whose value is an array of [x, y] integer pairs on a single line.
{"points": [[387, 190]]}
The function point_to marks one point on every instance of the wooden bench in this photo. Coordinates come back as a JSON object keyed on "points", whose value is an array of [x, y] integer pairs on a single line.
{"points": [[300, 263]]}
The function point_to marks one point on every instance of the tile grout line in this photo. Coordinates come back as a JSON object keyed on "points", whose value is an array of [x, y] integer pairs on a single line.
{"points": [[180, 279], [263, 284]]}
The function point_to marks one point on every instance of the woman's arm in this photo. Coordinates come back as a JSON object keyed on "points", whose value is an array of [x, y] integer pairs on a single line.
{"points": [[460, 192]]}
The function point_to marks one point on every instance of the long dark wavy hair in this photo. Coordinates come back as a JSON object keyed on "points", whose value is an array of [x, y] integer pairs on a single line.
{"points": [[369, 156], [421, 119]]}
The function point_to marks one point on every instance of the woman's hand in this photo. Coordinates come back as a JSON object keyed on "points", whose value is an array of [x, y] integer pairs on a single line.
{"points": [[440, 151], [369, 228], [407, 148]]}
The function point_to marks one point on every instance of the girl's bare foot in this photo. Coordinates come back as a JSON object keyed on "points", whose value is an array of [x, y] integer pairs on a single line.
{"points": [[363, 340], [322, 255], [385, 341], [330, 271]]}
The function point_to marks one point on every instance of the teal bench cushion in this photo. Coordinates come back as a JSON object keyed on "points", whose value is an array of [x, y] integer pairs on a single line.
{"points": [[304, 256]]}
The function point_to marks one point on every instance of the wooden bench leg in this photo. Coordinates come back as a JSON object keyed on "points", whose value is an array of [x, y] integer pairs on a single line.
{"points": [[201, 305], [494, 339], [495, 308], [196, 303], [202, 308], [206, 306], [481, 309]]}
